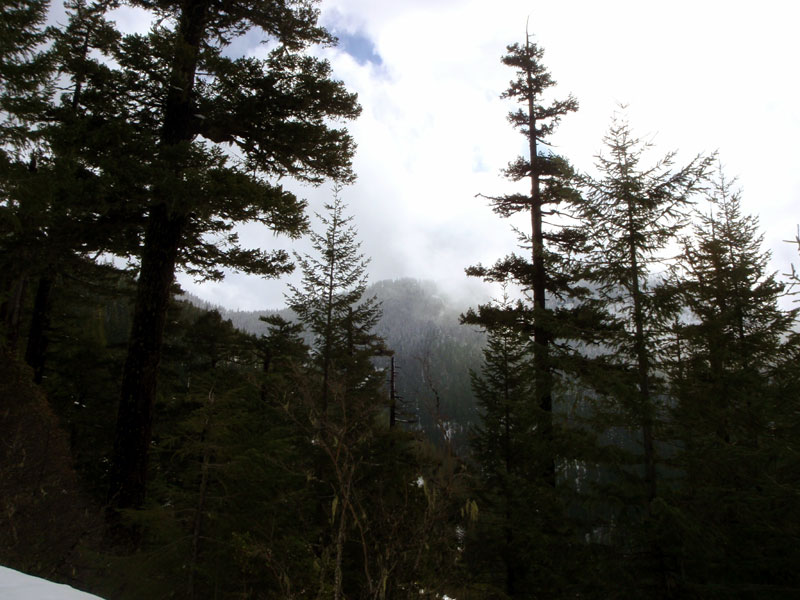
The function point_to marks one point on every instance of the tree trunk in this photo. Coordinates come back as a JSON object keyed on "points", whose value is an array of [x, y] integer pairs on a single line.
{"points": [[541, 337], [643, 368], [11, 312], [37, 334], [135, 416], [166, 221]]}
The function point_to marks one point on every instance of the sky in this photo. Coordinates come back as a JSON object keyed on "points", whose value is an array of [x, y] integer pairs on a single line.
{"points": [[697, 76]]}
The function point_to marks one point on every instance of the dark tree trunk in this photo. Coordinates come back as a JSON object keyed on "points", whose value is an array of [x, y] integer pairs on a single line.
{"points": [[541, 337], [642, 365], [11, 312], [40, 323], [166, 221], [135, 417]]}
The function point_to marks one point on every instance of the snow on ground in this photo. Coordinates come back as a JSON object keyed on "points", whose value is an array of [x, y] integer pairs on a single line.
{"points": [[18, 586]]}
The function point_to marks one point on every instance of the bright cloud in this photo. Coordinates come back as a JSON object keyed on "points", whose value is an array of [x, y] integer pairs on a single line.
{"points": [[697, 76]]}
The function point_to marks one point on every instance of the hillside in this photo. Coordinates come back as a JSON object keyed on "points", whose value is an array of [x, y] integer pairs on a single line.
{"points": [[433, 352]]}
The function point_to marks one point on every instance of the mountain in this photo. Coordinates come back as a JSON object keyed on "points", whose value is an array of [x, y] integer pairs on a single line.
{"points": [[434, 354]]}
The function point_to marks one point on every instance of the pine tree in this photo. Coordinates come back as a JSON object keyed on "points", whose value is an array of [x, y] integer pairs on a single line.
{"points": [[634, 212], [344, 395], [230, 504], [379, 525], [546, 329], [188, 98], [330, 302], [26, 80], [26, 71], [283, 353], [733, 417], [502, 445], [550, 180], [74, 214]]}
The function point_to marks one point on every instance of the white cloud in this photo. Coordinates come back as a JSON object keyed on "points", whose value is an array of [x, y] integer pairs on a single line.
{"points": [[697, 76]]}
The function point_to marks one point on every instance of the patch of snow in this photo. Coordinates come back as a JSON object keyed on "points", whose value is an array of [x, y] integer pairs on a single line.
{"points": [[18, 586]]}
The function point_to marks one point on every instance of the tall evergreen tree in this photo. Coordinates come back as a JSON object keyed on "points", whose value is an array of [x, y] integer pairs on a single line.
{"points": [[635, 212], [26, 70], [734, 418], [330, 302], [344, 397], [26, 83], [549, 178], [385, 505], [77, 212], [502, 446], [188, 98], [542, 332]]}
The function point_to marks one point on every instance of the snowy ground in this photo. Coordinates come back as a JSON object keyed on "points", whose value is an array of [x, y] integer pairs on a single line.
{"points": [[18, 586]]}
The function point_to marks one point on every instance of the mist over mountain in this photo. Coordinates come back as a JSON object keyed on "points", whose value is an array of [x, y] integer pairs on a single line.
{"points": [[434, 353]]}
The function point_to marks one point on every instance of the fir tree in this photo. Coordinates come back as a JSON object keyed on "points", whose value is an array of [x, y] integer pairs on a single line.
{"points": [[733, 417], [26, 71], [187, 98], [634, 212], [502, 445], [550, 190], [76, 212], [330, 302], [26, 83], [343, 393], [283, 354], [544, 330]]}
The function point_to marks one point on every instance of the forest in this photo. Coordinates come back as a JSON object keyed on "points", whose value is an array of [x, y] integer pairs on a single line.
{"points": [[621, 421]]}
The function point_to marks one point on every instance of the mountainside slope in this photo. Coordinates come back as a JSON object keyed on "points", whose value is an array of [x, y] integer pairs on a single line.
{"points": [[433, 353]]}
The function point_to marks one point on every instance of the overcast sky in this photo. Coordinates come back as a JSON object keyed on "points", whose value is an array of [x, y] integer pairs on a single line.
{"points": [[697, 76]]}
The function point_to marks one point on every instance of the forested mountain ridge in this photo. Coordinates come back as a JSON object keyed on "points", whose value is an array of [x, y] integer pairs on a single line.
{"points": [[434, 353]]}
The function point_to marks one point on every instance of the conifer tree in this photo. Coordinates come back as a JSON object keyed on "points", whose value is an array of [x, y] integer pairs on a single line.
{"points": [[734, 419], [75, 213], [634, 212], [502, 444], [230, 499], [283, 353], [330, 302], [26, 80], [26, 71], [378, 524], [187, 98], [543, 327], [550, 178], [344, 397]]}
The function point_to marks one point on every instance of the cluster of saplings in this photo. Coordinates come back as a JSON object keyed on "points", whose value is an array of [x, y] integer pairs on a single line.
{"points": [[639, 394]]}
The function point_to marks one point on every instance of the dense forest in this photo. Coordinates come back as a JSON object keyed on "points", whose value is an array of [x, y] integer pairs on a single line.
{"points": [[622, 421]]}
